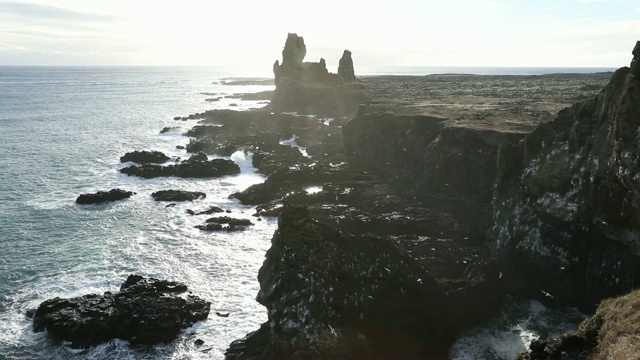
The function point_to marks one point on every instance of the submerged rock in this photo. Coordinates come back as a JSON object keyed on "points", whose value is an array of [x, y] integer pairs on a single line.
{"points": [[104, 196], [144, 311], [146, 157], [177, 195], [567, 201], [224, 223], [332, 295]]}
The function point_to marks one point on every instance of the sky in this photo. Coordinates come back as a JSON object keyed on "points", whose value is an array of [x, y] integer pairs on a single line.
{"points": [[251, 33]]}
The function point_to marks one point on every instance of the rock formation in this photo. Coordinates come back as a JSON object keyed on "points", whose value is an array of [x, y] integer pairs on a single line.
{"points": [[144, 311], [611, 333], [308, 87], [145, 157], [331, 295], [197, 167], [567, 200], [177, 195], [345, 67], [104, 196]]}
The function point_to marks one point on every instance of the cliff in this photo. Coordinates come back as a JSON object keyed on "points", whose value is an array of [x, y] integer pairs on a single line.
{"points": [[309, 88], [567, 200], [332, 295]]}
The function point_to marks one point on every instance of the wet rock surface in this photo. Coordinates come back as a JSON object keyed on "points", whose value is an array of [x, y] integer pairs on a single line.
{"points": [[224, 223], [144, 311], [196, 168], [177, 195], [104, 196], [147, 157]]}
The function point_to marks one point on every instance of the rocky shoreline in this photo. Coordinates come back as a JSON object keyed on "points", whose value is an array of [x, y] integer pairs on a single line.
{"points": [[409, 207]]}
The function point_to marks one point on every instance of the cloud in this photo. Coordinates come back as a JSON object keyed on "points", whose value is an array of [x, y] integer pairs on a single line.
{"points": [[52, 13]]}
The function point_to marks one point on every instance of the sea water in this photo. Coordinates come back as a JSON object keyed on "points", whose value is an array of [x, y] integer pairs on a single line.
{"points": [[62, 132]]}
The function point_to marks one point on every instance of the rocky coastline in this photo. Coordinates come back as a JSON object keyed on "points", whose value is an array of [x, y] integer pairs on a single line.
{"points": [[410, 207]]}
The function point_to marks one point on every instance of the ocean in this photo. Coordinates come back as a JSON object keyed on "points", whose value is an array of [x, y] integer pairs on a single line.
{"points": [[62, 132]]}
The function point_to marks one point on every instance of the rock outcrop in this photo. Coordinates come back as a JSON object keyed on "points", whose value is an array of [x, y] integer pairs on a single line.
{"points": [[345, 67], [198, 167], [331, 295], [308, 87], [146, 157], [178, 195], [567, 200], [104, 196], [224, 223], [144, 311], [611, 333]]}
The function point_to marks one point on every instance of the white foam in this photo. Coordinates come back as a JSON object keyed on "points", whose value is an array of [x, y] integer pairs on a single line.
{"points": [[293, 143]]}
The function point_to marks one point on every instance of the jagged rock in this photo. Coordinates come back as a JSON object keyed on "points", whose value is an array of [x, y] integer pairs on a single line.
{"points": [[332, 295], [144, 311], [195, 168], [197, 157], [177, 195], [611, 333], [308, 87], [635, 63], [224, 223], [145, 157], [567, 201], [345, 67], [164, 130], [104, 196]]}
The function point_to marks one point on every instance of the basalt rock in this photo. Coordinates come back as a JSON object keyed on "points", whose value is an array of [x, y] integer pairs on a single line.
{"points": [[308, 87], [345, 67], [332, 295], [144, 311], [567, 200], [177, 195], [611, 333], [224, 223], [196, 168], [146, 157], [104, 196]]}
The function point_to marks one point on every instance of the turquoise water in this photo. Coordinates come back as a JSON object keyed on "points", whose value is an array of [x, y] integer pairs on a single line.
{"points": [[62, 131]]}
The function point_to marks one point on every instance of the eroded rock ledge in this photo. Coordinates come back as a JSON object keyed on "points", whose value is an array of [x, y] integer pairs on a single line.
{"points": [[333, 295]]}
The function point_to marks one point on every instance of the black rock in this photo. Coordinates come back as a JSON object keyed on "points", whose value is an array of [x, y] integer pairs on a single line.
{"points": [[177, 118], [145, 311], [177, 195], [168, 129], [332, 295], [198, 342], [224, 223], [102, 196], [187, 169], [145, 157]]}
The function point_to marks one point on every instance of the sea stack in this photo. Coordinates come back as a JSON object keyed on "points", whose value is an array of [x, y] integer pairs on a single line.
{"points": [[345, 67], [308, 87]]}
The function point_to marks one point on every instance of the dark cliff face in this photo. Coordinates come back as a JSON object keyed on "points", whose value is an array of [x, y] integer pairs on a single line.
{"points": [[437, 157], [567, 200], [332, 295]]}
